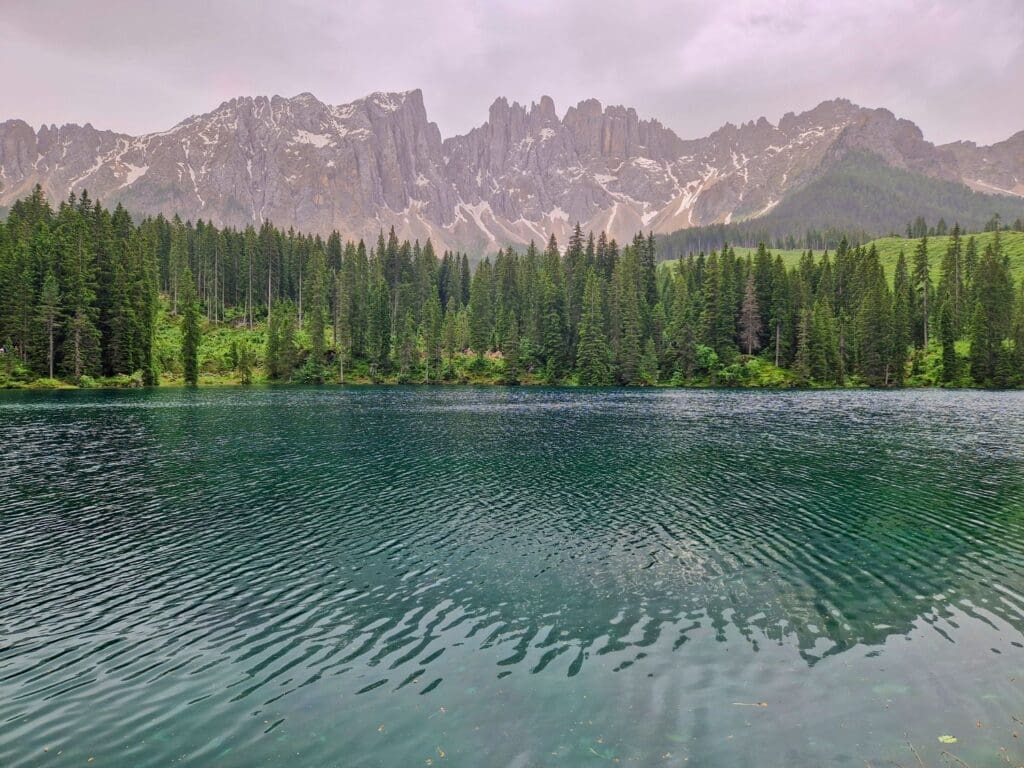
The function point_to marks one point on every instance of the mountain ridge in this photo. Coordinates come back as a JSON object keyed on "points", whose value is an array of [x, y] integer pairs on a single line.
{"points": [[522, 174]]}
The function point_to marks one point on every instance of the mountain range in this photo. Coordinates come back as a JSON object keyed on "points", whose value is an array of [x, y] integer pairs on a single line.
{"points": [[524, 173]]}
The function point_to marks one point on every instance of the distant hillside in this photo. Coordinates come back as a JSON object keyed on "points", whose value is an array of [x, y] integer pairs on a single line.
{"points": [[862, 193], [859, 197]]}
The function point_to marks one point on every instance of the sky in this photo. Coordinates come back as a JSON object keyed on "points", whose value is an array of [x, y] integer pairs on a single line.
{"points": [[955, 67]]}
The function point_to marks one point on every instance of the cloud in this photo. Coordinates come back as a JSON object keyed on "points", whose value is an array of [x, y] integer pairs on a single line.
{"points": [[954, 67]]}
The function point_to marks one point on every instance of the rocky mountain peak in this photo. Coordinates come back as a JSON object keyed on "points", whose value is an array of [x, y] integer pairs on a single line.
{"points": [[378, 162]]}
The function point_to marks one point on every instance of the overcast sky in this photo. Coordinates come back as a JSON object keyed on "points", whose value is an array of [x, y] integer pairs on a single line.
{"points": [[956, 67]]}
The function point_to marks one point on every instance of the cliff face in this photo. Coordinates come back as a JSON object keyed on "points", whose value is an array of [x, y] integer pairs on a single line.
{"points": [[525, 172], [996, 169]]}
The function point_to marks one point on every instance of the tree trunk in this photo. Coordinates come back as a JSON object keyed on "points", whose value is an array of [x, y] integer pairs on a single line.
{"points": [[51, 347]]}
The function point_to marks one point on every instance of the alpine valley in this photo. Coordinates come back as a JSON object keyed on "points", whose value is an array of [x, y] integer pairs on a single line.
{"points": [[525, 173]]}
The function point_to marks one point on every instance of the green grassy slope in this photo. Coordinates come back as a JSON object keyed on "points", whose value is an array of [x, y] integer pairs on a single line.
{"points": [[889, 249]]}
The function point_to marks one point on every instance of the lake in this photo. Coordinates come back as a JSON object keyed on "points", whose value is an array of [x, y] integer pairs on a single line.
{"points": [[510, 577]]}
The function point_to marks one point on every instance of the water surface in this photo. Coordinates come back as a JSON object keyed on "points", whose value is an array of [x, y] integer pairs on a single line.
{"points": [[477, 577]]}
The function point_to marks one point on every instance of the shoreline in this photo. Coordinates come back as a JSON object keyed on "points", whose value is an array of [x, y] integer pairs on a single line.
{"points": [[219, 383]]}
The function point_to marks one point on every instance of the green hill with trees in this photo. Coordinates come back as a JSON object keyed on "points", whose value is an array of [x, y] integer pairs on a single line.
{"points": [[889, 249], [859, 197]]}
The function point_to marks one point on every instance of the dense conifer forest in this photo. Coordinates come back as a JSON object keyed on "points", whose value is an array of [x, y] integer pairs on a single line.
{"points": [[87, 296]]}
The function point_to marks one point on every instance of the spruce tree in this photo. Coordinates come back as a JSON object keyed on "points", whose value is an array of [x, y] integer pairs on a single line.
{"points": [[1018, 337], [923, 288], [750, 319], [316, 308], [433, 341], [553, 332], [823, 350], [191, 332], [593, 357], [947, 336], [875, 359], [49, 317], [802, 360], [510, 350], [342, 324], [993, 296], [682, 343], [408, 352], [902, 303], [244, 365], [780, 310], [649, 373], [951, 282]]}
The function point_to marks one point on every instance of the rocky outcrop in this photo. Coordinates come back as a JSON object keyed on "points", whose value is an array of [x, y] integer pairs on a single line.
{"points": [[997, 169], [524, 173]]}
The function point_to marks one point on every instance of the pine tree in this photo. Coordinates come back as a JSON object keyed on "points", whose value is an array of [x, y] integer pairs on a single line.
{"points": [[191, 332], [991, 323], [1018, 336], [342, 324], [272, 353], [823, 351], [923, 287], [244, 364], [289, 357], [433, 337], [281, 352], [593, 355], [481, 306], [316, 307], [626, 299], [780, 310], [178, 262], [408, 353], [49, 316], [717, 318], [682, 343], [802, 361], [874, 326], [649, 364], [947, 336], [750, 319], [378, 328], [951, 282], [553, 332], [902, 303], [510, 350], [449, 335], [81, 354]]}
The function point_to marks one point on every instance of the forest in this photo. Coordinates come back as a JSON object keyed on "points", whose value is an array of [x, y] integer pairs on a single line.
{"points": [[89, 297]]}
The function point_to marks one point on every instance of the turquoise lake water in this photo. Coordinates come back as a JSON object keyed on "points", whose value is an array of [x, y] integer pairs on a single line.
{"points": [[510, 577]]}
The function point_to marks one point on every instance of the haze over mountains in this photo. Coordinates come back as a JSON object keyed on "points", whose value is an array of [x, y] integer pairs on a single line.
{"points": [[524, 173]]}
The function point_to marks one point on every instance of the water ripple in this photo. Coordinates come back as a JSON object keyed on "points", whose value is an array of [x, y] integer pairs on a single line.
{"points": [[240, 577]]}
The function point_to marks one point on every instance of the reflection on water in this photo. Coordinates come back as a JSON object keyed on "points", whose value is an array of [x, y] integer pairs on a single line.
{"points": [[509, 577]]}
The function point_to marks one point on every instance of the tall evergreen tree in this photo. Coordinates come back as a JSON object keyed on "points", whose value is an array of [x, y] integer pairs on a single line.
{"points": [[191, 331], [993, 296], [593, 358], [49, 317], [923, 288], [510, 349], [750, 319]]}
